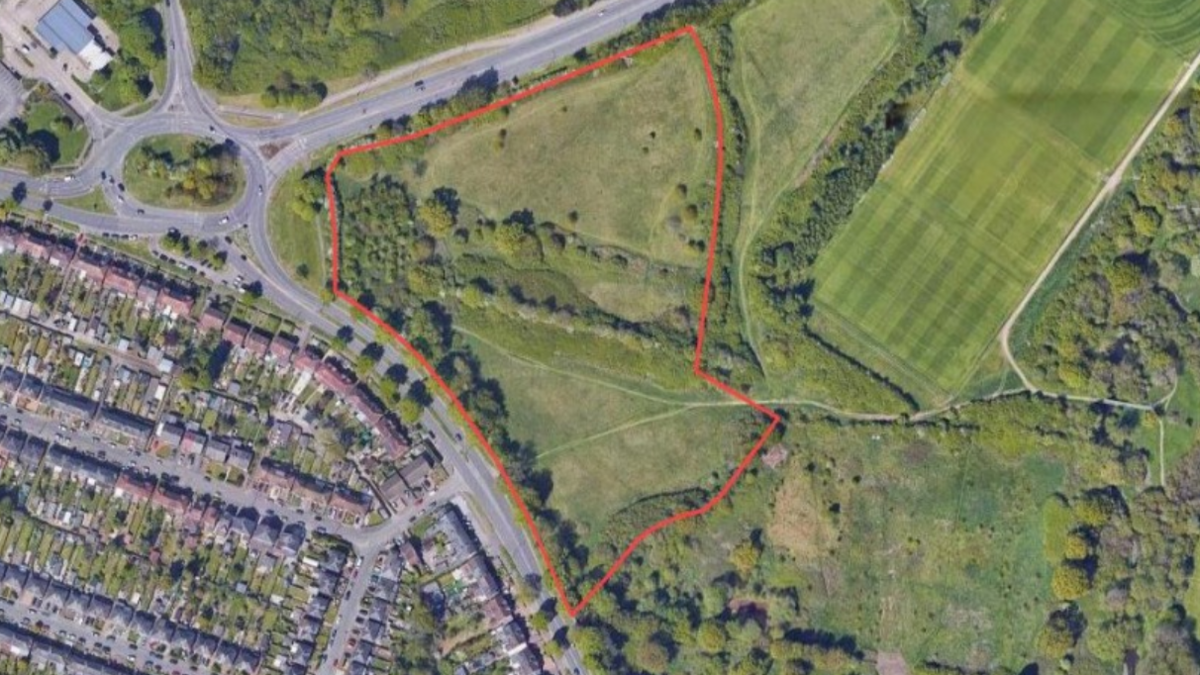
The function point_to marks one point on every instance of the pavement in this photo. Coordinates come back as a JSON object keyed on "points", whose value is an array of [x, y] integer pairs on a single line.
{"points": [[182, 107], [12, 94]]}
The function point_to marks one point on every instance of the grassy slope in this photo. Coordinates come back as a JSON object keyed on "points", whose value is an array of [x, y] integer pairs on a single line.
{"points": [[153, 189], [976, 199], [588, 147], [93, 201]]}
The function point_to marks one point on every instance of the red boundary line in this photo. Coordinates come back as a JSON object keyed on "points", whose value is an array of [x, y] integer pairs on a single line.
{"points": [[574, 608]]}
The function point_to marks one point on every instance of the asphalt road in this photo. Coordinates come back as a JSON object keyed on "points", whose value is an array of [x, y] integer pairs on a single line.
{"points": [[185, 108]]}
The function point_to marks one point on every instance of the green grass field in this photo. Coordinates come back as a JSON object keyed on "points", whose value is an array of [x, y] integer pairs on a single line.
{"points": [[979, 195], [299, 238], [611, 150], [797, 64], [608, 443], [674, 450], [93, 201], [935, 551], [41, 115], [1173, 23], [552, 408]]}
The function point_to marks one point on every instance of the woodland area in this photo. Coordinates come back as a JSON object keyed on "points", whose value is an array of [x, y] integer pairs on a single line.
{"points": [[1121, 320]]}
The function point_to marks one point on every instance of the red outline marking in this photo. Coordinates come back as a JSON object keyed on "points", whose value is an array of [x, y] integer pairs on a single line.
{"points": [[574, 608]]}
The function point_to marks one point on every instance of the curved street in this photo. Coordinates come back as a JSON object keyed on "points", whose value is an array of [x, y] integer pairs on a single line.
{"points": [[182, 107]]}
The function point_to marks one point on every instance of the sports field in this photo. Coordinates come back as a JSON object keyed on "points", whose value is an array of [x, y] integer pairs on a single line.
{"points": [[980, 194], [605, 156], [1172, 23]]}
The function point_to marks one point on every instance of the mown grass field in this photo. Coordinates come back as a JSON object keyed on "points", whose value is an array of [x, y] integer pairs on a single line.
{"points": [[915, 544], [601, 156], [980, 194], [1173, 23]]}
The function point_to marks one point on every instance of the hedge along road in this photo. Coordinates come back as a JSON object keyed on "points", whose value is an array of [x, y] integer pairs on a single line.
{"points": [[573, 608]]}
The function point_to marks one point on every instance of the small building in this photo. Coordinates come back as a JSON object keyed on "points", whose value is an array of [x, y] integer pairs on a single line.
{"points": [[210, 320], [240, 457], [68, 28], [416, 472], [257, 342], [124, 423]]}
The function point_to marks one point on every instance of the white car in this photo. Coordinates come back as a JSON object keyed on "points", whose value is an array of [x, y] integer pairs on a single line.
{"points": [[225, 220]]}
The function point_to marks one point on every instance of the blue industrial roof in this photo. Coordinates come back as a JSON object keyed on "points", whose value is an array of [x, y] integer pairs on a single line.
{"points": [[65, 27]]}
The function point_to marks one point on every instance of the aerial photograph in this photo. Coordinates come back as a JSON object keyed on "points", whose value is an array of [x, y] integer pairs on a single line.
{"points": [[600, 337]]}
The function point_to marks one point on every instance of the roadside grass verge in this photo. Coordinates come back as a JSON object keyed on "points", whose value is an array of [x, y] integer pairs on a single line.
{"points": [[299, 235], [93, 201], [64, 145]]}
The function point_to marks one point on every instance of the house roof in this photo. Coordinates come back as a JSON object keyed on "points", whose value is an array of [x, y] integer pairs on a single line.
{"points": [[65, 27]]}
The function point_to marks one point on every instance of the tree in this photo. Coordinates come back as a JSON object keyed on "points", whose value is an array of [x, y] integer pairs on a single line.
{"points": [[410, 410], [711, 637], [651, 657], [1070, 582], [1076, 546], [745, 557], [1109, 640], [1056, 638], [436, 218]]}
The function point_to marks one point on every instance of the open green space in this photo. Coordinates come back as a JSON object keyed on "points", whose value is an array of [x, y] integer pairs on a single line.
{"points": [[571, 293], [976, 199], [46, 135], [917, 545], [545, 402], [675, 450], [624, 160], [797, 63], [1173, 23], [178, 171], [608, 443], [292, 45], [298, 229], [65, 136]]}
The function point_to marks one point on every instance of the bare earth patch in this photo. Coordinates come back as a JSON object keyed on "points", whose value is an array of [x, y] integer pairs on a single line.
{"points": [[890, 663], [799, 524]]}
